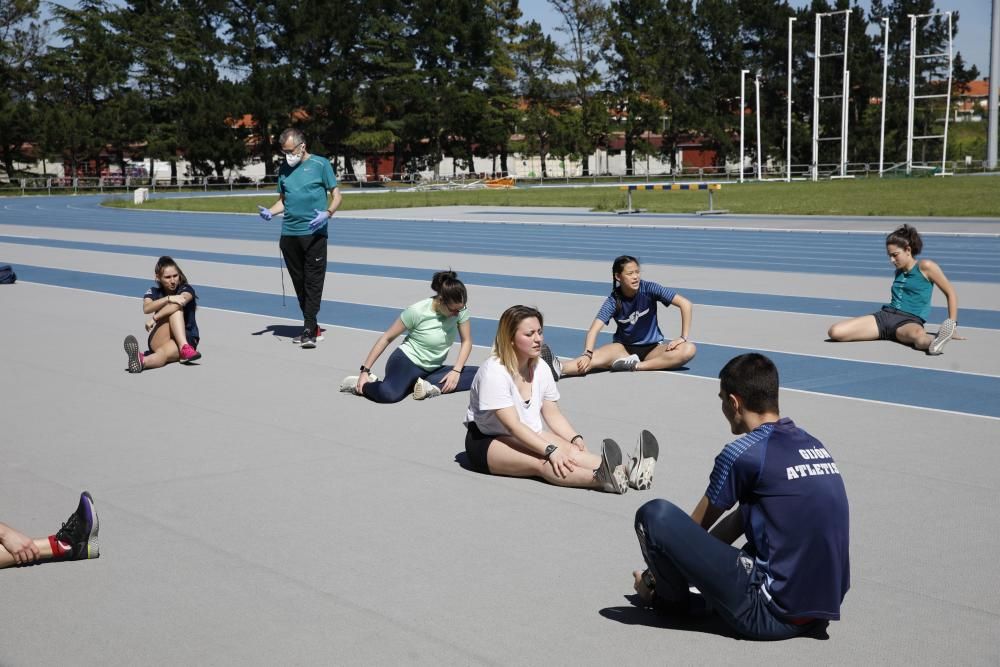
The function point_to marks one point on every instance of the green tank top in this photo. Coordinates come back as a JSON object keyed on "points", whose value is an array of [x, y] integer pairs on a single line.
{"points": [[911, 292]]}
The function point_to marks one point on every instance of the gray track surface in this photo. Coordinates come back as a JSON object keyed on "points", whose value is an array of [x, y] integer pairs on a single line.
{"points": [[252, 514]]}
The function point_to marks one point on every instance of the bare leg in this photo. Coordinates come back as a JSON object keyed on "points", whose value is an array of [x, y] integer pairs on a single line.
{"points": [[164, 348], [44, 549], [507, 457], [854, 329], [914, 334], [659, 359], [603, 356], [177, 329]]}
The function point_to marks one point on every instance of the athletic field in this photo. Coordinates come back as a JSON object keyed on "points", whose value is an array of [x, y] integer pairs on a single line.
{"points": [[250, 513]]}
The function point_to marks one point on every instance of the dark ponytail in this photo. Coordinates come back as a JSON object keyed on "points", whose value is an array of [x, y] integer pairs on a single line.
{"points": [[906, 237], [616, 267], [448, 288]]}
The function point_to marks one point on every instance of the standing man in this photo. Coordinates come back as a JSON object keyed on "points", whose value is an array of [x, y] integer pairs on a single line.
{"points": [[309, 195], [792, 574]]}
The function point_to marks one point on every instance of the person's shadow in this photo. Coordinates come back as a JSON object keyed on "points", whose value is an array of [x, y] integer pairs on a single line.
{"points": [[710, 624], [279, 331]]}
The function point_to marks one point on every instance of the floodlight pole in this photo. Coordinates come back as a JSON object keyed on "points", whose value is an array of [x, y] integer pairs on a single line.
{"points": [[913, 74], [788, 138], [743, 106], [815, 118], [993, 98], [756, 84], [885, 75]]}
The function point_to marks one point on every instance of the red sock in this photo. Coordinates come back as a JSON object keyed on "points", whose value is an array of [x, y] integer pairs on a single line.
{"points": [[58, 550]]}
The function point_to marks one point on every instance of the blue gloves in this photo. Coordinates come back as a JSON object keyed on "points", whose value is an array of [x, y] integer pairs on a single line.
{"points": [[265, 213], [322, 217]]}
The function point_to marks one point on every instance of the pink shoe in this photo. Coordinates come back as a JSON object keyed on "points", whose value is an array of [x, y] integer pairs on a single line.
{"points": [[189, 354]]}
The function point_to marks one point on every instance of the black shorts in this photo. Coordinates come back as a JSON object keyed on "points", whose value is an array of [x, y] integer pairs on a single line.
{"points": [[477, 444], [641, 351], [889, 319]]}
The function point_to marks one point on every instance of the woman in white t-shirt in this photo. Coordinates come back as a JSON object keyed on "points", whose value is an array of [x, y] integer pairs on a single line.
{"points": [[417, 364], [512, 401]]}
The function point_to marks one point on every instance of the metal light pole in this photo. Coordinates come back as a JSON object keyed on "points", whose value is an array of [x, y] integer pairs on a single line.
{"points": [[788, 138], [743, 106], [756, 85], [993, 100], [885, 74]]}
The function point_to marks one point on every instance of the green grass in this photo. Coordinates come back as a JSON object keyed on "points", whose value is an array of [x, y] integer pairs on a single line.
{"points": [[975, 196]]}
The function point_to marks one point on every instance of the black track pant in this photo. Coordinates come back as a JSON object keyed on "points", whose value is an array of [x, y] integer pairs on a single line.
{"points": [[305, 258]]}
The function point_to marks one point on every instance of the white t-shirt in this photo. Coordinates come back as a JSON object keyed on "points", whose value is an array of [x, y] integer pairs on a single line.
{"points": [[494, 388]]}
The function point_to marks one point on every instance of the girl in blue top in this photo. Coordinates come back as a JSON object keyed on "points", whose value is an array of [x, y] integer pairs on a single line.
{"points": [[173, 330], [417, 364], [638, 343], [902, 319]]}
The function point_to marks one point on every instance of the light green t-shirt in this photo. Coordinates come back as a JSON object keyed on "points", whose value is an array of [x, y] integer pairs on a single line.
{"points": [[305, 187], [429, 335]]}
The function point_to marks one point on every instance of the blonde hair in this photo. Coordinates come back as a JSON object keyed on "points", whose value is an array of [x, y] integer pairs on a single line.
{"points": [[503, 345]]}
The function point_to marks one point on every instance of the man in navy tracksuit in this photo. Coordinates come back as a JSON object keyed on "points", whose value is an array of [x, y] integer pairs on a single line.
{"points": [[792, 574]]}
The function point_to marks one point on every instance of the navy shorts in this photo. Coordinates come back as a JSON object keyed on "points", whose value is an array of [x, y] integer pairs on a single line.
{"points": [[889, 319], [641, 351]]}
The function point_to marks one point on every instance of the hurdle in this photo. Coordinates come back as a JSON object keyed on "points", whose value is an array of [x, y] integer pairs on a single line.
{"points": [[710, 187]]}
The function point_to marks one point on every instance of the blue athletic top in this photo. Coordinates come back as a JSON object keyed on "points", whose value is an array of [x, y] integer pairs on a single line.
{"points": [[911, 292], [636, 317], [190, 324], [795, 516], [305, 187]]}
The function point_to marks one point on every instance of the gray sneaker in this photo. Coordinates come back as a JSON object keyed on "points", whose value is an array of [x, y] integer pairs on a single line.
{"points": [[611, 475], [424, 389], [642, 462], [625, 363], [944, 334], [552, 362]]}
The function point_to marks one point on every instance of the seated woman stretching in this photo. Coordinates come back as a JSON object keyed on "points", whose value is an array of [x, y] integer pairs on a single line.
{"points": [[513, 399], [416, 365], [903, 318], [173, 330], [638, 343]]}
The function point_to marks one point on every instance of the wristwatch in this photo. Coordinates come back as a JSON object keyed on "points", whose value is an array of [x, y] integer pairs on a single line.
{"points": [[365, 369], [548, 451]]}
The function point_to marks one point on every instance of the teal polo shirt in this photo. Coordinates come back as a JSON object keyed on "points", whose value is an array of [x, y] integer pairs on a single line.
{"points": [[304, 188]]}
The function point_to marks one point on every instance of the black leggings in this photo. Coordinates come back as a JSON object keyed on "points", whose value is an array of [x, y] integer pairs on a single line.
{"points": [[305, 258]]}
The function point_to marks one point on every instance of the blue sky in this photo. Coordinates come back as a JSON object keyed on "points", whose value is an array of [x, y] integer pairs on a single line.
{"points": [[972, 40]]}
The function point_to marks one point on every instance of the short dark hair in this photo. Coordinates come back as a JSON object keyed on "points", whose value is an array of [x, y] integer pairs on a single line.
{"points": [[754, 378], [449, 289]]}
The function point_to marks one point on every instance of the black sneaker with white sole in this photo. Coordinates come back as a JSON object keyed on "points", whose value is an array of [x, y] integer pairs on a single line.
{"points": [[611, 476], [642, 462], [551, 361], [80, 530]]}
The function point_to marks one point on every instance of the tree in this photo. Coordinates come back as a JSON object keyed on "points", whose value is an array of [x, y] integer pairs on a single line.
{"points": [[21, 42], [536, 58]]}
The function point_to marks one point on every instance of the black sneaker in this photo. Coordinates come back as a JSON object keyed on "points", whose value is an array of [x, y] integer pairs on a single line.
{"points": [[298, 339], [134, 355], [80, 530], [307, 340], [551, 361]]}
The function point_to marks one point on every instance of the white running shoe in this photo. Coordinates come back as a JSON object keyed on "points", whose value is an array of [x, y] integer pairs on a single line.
{"points": [[944, 334], [611, 475], [625, 363], [424, 389], [641, 464], [348, 384]]}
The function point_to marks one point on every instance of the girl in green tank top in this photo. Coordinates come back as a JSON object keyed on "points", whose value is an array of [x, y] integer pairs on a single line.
{"points": [[902, 319]]}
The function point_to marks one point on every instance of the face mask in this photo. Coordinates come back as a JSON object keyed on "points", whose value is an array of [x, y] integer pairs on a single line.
{"points": [[293, 160]]}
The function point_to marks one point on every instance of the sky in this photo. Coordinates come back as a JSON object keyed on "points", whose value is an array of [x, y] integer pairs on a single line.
{"points": [[972, 40]]}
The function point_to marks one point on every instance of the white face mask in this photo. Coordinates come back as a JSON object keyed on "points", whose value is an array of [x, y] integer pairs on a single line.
{"points": [[293, 160]]}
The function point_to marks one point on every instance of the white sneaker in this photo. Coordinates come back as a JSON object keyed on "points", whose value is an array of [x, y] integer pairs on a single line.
{"points": [[642, 462], [424, 389], [625, 363], [348, 384], [944, 334], [611, 476]]}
